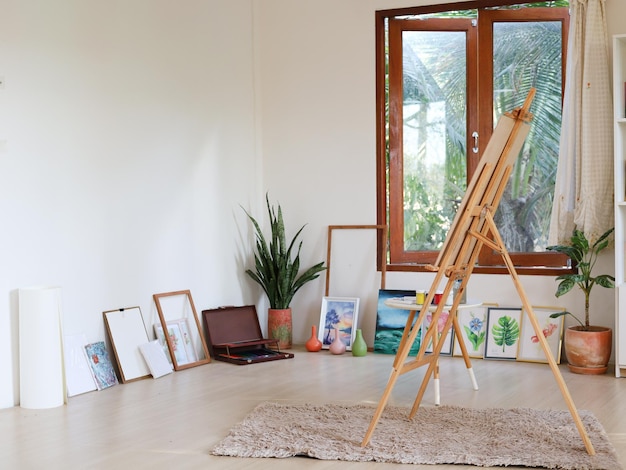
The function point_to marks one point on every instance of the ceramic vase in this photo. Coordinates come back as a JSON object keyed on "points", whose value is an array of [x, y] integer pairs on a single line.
{"points": [[279, 326], [359, 347], [588, 351], [337, 346], [313, 344]]}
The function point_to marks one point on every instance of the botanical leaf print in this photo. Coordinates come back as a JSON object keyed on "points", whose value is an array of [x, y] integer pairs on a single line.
{"points": [[505, 332]]}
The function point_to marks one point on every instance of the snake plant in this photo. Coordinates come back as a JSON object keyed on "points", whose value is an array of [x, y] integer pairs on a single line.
{"points": [[276, 269]]}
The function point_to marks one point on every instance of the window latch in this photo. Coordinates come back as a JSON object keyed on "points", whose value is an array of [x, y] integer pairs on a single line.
{"points": [[475, 137]]}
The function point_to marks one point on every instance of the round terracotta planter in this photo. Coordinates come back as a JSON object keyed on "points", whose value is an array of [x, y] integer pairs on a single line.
{"points": [[279, 326], [588, 351]]}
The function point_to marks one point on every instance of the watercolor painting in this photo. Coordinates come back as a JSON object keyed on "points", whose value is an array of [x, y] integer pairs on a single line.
{"points": [[338, 313], [100, 363], [473, 326], [529, 348]]}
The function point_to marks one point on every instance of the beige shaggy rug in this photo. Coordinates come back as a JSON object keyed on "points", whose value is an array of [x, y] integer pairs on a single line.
{"points": [[437, 435]]}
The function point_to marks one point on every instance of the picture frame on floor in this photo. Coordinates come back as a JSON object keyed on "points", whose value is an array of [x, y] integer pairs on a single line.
{"points": [[127, 331], [338, 314], [177, 313], [448, 341], [473, 331], [503, 332], [390, 323], [530, 349]]}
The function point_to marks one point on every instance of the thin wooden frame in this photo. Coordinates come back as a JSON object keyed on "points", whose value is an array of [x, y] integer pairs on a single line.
{"points": [[339, 313], [127, 332], [499, 319], [529, 346], [159, 300]]}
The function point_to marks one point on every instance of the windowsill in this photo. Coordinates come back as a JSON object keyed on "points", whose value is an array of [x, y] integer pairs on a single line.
{"points": [[521, 270]]}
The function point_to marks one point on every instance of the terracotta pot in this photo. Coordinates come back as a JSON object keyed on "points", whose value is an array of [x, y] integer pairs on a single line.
{"points": [[279, 326], [588, 352]]}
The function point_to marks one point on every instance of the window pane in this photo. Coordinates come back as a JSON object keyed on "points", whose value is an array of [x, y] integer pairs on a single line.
{"points": [[528, 54], [434, 135]]}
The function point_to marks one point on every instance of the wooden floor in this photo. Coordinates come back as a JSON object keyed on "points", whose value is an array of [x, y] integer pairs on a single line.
{"points": [[174, 421]]}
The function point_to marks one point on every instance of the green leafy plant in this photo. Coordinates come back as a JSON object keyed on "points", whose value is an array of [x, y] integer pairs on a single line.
{"points": [[505, 332], [584, 256], [276, 269]]}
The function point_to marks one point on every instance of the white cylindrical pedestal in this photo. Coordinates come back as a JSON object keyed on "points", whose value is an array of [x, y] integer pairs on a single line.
{"points": [[42, 383]]}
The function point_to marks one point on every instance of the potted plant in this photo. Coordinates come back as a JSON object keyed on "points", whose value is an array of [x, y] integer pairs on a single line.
{"points": [[276, 270], [587, 347]]}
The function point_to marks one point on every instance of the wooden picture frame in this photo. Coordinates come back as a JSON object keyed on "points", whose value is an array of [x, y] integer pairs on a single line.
{"points": [[529, 348], [174, 308], [127, 332], [503, 332], [340, 313]]}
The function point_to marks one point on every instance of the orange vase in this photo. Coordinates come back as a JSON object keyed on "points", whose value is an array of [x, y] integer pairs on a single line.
{"points": [[313, 344], [279, 326]]}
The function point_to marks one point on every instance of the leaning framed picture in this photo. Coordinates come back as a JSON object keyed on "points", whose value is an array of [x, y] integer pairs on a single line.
{"points": [[185, 343], [473, 330], [127, 332], [448, 341], [176, 341], [503, 332], [529, 347], [390, 323], [338, 316]]}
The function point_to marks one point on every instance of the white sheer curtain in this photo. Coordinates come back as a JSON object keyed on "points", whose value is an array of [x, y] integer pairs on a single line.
{"points": [[583, 196]]}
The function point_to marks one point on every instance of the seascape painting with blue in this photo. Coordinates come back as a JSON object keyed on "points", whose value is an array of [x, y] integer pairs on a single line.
{"points": [[390, 323], [339, 314]]}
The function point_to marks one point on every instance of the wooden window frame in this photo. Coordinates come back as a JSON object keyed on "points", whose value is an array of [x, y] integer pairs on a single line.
{"points": [[544, 263]]}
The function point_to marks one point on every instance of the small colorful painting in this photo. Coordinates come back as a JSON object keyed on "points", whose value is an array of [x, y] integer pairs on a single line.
{"points": [[473, 331], [552, 328], [390, 323], [177, 339], [339, 314], [101, 367], [503, 332], [448, 341]]}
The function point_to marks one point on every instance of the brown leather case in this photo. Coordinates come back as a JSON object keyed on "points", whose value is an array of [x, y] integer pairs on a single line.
{"points": [[234, 335]]}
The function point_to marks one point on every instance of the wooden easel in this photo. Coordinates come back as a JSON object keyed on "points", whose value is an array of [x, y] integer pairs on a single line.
{"points": [[473, 227]]}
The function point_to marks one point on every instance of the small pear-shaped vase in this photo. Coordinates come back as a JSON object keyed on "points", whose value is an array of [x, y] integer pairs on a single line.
{"points": [[313, 344], [359, 347], [337, 346]]}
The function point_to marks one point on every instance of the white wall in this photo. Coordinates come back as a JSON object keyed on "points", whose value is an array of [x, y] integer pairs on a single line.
{"points": [[319, 152], [127, 143], [130, 132]]}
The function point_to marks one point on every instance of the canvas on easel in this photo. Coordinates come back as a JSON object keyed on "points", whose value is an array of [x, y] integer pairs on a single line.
{"points": [[473, 228]]}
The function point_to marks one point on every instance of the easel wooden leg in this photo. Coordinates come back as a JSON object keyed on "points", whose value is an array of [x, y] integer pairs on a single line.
{"points": [[464, 352], [408, 337], [542, 339]]}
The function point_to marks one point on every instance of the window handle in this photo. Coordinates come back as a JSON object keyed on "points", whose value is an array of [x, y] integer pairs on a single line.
{"points": [[475, 137]]}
